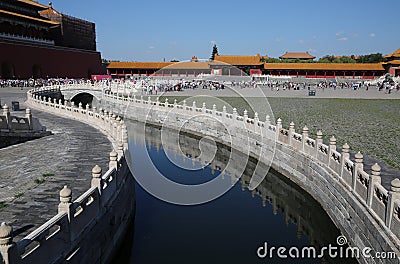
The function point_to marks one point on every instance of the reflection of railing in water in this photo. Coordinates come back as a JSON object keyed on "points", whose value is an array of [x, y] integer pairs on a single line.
{"points": [[298, 207], [335, 180], [356, 201]]}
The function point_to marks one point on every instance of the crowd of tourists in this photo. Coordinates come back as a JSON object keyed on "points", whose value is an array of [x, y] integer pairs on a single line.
{"points": [[151, 86]]}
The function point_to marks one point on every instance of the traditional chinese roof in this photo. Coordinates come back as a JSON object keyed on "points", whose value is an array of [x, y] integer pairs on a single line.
{"points": [[195, 65], [33, 3], [325, 66], [393, 62], [137, 65], [297, 55], [395, 54], [50, 12], [28, 17], [240, 60]]}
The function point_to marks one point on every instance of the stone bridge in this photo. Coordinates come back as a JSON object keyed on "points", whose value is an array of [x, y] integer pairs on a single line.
{"points": [[91, 95], [366, 213]]}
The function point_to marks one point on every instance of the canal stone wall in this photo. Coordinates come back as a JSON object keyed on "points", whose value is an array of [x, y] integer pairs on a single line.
{"points": [[90, 228], [366, 213]]}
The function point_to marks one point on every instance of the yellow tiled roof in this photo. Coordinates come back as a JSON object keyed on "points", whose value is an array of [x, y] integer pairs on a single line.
{"points": [[33, 3], [137, 65], [239, 60], [325, 66], [28, 17], [297, 55], [395, 54]]}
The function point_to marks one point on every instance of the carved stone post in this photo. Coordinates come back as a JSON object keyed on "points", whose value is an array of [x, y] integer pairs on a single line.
{"points": [[394, 195], [332, 146], [6, 113], [166, 102], [304, 137], [120, 150], [319, 140], [65, 201], [203, 109], [345, 155], [28, 115], [8, 249], [278, 128], [291, 131], [96, 178], [234, 114], [358, 165], [113, 160], [224, 111], [373, 180], [256, 120], [214, 109]]}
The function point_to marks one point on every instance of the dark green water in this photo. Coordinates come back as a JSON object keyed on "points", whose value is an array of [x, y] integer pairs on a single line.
{"points": [[228, 229]]}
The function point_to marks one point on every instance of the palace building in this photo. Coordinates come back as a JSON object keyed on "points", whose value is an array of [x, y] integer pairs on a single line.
{"points": [[38, 41], [260, 65]]}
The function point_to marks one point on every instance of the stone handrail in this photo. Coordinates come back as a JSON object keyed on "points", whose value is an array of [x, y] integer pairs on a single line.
{"points": [[359, 194], [60, 238], [380, 204]]}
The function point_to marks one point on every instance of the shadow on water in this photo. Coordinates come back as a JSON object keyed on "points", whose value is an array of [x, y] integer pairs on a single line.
{"points": [[229, 229]]}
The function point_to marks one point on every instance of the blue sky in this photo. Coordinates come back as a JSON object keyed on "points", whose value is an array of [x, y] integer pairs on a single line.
{"points": [[176, 29]]}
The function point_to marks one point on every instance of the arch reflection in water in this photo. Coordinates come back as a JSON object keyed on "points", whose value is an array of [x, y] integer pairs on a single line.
{"points": [[231, 228]]}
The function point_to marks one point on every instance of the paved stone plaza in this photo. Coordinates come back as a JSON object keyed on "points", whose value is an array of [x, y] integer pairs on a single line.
{"points": [[68, 156], [372, 93]]}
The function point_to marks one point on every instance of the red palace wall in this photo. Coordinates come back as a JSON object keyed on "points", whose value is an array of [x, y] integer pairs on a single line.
{"points": [[31, 60]]}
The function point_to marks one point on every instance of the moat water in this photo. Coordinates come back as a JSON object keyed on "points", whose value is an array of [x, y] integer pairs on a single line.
{"points": [[229, 229]]}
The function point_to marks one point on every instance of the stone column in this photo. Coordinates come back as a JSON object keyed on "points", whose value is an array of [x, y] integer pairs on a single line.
{"points": [[113, 160], [394, 195], [194, 106], [278, 128], [304, 137], [358, 165], [166, 102], [65, 202], [224, 111], [8, 249], [120, 150], [332, 146], [318, 142], [28, 115], [203, 109], [374, 178], [234, 114], [345, 155], [96, 178], [6, 113], [291, 131], [256, 120]]}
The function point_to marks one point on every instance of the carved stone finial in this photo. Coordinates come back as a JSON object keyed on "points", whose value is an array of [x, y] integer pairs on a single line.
{"points": [[5, 234], [376, 170], [96, 171], [65, 195], [395, 185], [359, 157]]}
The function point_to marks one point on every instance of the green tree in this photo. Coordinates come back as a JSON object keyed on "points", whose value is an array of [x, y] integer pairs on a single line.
{"points": [[371, 58], [214, 52]]}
